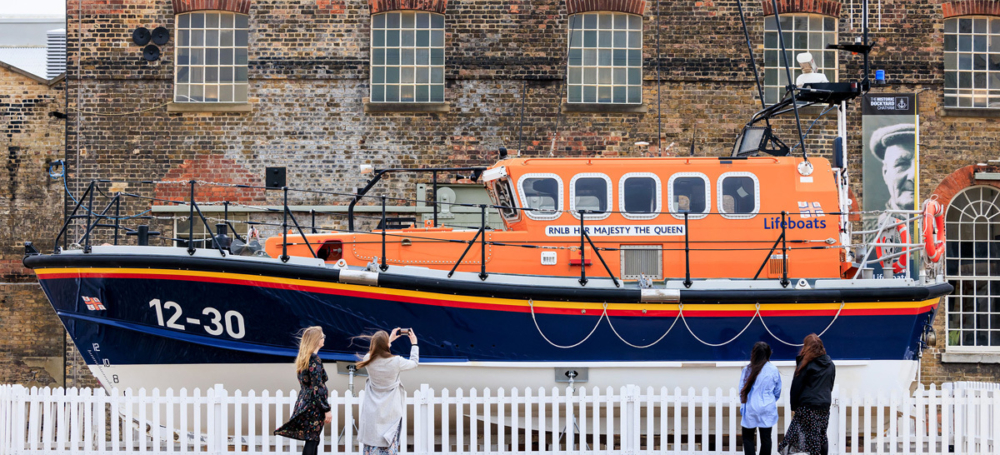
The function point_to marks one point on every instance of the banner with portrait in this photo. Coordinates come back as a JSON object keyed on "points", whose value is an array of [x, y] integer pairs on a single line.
{"points": [[890, 164]]}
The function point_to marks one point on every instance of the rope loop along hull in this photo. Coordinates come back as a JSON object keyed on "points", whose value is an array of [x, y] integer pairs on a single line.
{"points": [[130, 313]]}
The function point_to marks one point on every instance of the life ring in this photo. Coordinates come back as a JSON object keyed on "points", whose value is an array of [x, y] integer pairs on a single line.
{"points": [[897, 235], [933, 226]]}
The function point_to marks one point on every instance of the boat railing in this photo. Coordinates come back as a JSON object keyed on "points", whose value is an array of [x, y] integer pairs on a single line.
{"points": [[294, 233], [882, 242]]}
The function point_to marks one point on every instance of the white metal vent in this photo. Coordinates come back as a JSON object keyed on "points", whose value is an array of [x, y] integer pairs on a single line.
{"points": [[639, 260]]}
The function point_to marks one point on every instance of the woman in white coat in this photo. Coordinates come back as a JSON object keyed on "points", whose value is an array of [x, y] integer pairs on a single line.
{"points": [[383, 406]]}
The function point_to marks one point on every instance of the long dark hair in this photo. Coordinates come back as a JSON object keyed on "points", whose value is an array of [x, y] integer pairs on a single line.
{"points": [[758, 357], [812, 347], [377, 349]]}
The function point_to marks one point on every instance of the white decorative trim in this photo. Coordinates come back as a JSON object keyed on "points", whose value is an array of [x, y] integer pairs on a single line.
{"points": [[572, 195], [621, 196], [708, 195], [756, 196], [536, 215]]}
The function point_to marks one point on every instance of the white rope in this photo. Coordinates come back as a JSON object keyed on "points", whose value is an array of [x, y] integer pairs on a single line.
{"points": [[681, 314], [650, 344], [842, 303], [603, 314]]}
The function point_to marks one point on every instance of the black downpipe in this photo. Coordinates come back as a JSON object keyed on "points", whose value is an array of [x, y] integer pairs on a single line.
{"points": [[791, 84], [434, 195], [687, 254], [312, 214]]}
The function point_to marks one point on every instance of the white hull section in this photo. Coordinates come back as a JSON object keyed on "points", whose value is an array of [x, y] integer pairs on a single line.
{"points": [[862, 375]]}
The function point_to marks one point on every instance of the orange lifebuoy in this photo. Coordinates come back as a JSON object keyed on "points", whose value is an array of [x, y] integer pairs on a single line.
{"points": [[933, 226], [901, 235]]}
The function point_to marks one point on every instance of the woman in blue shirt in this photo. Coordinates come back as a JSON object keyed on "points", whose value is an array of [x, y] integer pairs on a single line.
{"points": [[760, 388]]}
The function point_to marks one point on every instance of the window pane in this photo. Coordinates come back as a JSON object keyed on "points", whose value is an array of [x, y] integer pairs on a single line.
{"points": [[739, 195], [639, 194], [688, 195], [541, 193]]}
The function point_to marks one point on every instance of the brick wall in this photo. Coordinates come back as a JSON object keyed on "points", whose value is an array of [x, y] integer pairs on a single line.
{"points": [[31, 137], [309, 73]]}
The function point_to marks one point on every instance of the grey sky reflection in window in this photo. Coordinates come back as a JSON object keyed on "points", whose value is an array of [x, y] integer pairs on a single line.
{"points": [[639, 195], [738, 195], [541, 193], [591, 193]]}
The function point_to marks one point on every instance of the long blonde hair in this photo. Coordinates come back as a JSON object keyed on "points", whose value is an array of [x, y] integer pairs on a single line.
{"points": [[309, 339], [377, 349]]}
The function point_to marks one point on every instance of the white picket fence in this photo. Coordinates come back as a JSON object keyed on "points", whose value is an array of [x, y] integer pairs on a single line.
{"points": [[624, 421]]}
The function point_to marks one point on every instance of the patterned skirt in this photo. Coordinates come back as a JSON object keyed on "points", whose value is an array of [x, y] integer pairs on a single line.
{"points": [[807, 432], [393, 448]]}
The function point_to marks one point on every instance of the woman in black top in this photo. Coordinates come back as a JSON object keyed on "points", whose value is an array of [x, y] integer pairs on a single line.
{"points": [[812, 387]]}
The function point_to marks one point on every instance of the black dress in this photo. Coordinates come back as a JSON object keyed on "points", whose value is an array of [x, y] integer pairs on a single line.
{"points": [[810, 399], [307, 420]]}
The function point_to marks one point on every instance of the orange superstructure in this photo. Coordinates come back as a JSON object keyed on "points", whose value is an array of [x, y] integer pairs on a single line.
{"points": [[635, 216]]}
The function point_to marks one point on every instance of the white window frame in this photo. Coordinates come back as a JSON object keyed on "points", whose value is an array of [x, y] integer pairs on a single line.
{"points": [[756, 196], [572, 195], [240, 90], [708, 196], [629, 47], [432, 70], [977, 97], [954, 227], [621, 196], [779, 65], [535, 214]]}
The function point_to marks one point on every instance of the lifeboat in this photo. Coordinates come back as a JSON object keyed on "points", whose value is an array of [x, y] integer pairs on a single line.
{"points": [[651, 271]]}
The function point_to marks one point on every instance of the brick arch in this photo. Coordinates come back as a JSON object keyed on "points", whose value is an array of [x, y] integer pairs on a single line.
{"points": [[208, 170], [621, 6], [824, 7], [970, 8], [431, 6], [236, 6], [958, 181]]}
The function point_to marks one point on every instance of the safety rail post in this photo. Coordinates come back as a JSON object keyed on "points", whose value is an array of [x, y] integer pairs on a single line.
{"points": [[384, 266], [583, 255], [784, 252], [601, 258], [482, 227], [225, 208], [97, 223], [72, 216], [768, 256], [90, 208], [687, 254], [284, 226], [481, 231], [190, 249], [303, 234], [118, 210]]}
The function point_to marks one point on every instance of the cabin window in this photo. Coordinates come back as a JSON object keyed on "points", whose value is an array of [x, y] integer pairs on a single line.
{"points": [[972, 62], [689, 194], [590, 192], [639, 195], [543, 194], [739, 195], [972, 254]]}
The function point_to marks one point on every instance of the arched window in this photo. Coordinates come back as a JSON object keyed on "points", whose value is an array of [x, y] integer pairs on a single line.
{"points": [[803, 33], [973, 268], [211, 64], [605, 58], [972, 62], [407, 64]]}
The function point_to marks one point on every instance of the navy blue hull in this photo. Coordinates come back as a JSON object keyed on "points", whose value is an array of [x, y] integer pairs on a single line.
{"points": [[130, 330]]}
